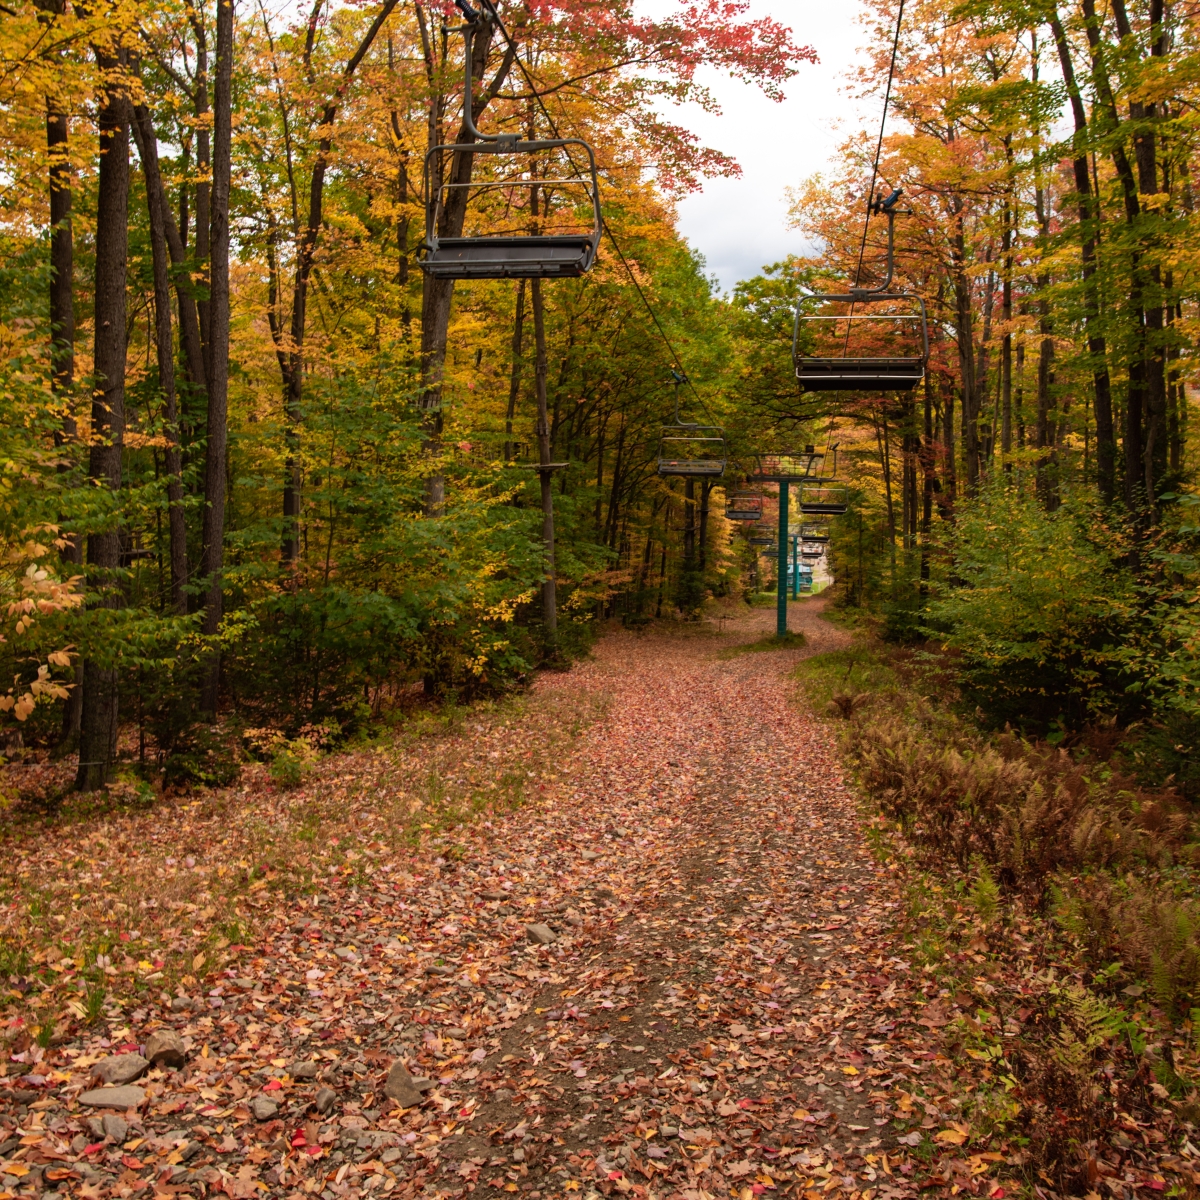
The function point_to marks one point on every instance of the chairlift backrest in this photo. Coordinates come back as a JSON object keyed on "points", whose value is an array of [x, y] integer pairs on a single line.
{"points": [[826, 501], [560, 251], [744, 506]]}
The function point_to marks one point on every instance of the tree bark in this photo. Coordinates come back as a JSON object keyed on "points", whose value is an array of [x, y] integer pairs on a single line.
{"points": [[437, 294], [541, 369], [1106, 447], [159, 213], [189, 323], [62, 334], [216, 427], [514, 381], [98, 726]]}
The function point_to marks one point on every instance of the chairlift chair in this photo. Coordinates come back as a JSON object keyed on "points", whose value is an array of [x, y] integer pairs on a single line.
{"points": [[904, 334], [534, 255], [787, 467], [814, 533], [691, 450], [764, 539], [744, 506], [824, 501], [811, 550]]}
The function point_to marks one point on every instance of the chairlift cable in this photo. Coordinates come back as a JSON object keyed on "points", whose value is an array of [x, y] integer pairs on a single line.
{"points": [[490, 5], [887, 95]]}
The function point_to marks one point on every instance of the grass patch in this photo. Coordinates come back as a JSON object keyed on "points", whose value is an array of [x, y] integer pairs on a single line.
{"points": [[789, 641]]}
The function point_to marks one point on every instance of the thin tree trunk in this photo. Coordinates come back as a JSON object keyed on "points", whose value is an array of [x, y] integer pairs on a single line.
{"points": [[1088, 224], [217, 434], [514, 381], [98, 726], [156, 206], [62, 338], [545, 475], [437, 294], [189, 321]]}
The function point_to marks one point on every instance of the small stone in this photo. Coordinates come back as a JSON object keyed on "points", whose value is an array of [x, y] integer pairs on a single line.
{"points": [[303, 1070], [121, 1068], [115, 1128], [502, 1095], [164, 1048], [459, 1034], [113, 1097], [181, 1003], [624, 833], [518, 1155], [493, 895], [435, 970], [190, 1150], [540, 935], [79, 1143], [390, 1156], [402, 1087], [263, 1109], [589, 856], [96, 1128], [324, 1101]]}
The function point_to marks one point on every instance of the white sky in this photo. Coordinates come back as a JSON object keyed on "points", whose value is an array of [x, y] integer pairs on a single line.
{"points": [[740, 225]]}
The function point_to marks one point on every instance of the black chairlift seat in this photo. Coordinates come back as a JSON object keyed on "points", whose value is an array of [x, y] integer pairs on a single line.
{"points": [[814, 533], [764, 539], [537, 254], [811, 551], [824, 501], [744, 506], [529, 257]]}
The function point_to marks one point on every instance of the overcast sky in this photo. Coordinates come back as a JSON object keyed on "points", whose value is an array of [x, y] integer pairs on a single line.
{"points": [[740, 225]]}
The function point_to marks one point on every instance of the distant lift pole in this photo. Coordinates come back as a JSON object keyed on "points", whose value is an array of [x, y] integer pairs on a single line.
{"points": [[795, 566]]}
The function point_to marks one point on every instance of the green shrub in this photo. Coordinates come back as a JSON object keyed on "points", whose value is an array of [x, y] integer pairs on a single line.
{"points": [[1035, 607]]}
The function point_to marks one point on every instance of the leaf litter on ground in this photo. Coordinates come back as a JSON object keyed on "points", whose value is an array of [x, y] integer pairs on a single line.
{"points": [[665, 959]]}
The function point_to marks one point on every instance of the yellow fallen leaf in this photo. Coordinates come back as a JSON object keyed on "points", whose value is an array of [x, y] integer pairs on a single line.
{"points": [[951, 1137], [849, 1070], [800, 1114], [197, 962]]}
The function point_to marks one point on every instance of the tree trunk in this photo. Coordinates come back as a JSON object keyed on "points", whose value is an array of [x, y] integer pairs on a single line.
{"points": [[541, 369], [216, 429], [1106, 447], [514, 381], [62, 338], [437, 294], [189, 321], [156, 206], [98, 726]]}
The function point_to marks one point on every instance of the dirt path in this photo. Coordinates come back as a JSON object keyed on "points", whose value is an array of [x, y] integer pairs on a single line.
{"points": [[718, 1012]]}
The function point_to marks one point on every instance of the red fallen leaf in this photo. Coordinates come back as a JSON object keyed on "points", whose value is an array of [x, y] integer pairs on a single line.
{"points": [[757, 1189], [997, 1193], [298, 1139], [314, 1151], [745, 1102], [615, 1175], [94, 1148], [134, 1164], [273, 1086], [1156, 1184], [57, 1173], [124, 937]]}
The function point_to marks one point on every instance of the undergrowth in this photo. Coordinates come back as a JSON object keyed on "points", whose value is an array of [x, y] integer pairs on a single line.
{"points": [[1059, 877]]}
